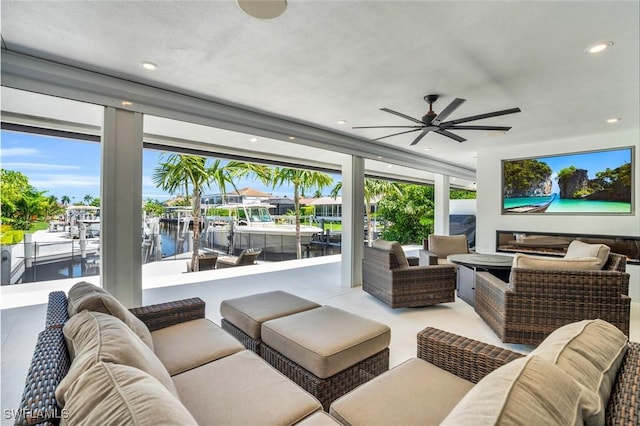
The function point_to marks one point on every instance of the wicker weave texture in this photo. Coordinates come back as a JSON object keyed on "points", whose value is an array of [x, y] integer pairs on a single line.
{"points": [[329, 389], [414, 286], [50, 363], [537, 302], [245, 339], [464, 357], [57, 310], [170, 313], [624, 403]]}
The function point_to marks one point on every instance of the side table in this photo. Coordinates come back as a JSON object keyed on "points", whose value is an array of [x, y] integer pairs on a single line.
{"points": [[470, 263]]}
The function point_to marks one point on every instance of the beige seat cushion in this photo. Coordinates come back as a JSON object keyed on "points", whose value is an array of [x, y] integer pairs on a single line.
{"points": [[444, 245], [412, 393], [578, 249], [526, 391], [319, 418], [96, 337], [110, 394], [591, 352], [527, 261], [85, 296], [242, 389], [326, 340], [249, 312], [395, 248], [191, 344]]}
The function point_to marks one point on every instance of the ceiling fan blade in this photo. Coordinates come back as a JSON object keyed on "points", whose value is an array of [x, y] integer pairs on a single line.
{"points": [[495, 128], [450, 135], [396, 134], [481, 116], [387, 127], [420, 136], [399, 114], [447, 111]]}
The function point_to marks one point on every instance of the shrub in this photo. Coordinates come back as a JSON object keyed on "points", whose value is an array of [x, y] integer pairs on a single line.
{"points": [[11, 237]]}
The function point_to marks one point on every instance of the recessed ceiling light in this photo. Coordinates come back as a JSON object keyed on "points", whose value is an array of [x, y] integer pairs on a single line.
{"points": [[598, 47], [427, 149], [613, 120], [126, 103], [292, 138], [253, 140], [379, 157], [262, 9], [389, 166], [342, 121], [148, 65]]}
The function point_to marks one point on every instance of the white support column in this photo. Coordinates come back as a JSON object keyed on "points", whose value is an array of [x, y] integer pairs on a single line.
{"points": [[352, 221], [121, 206], [441, 200]]}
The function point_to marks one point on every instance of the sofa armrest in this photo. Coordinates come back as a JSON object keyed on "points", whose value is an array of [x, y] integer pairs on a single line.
{"points": [[464, 357], [624, 404], [428, 258], [170, 313]]}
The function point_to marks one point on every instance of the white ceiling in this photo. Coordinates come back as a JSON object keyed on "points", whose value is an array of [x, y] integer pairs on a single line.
{"points": [[323, 61]]}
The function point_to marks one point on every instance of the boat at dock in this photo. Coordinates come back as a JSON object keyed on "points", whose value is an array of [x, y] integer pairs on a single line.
{"points": [[532, 208]]}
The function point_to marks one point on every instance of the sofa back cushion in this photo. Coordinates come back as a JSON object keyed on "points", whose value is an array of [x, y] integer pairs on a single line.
{"points": [[96, 337], [395, 248], [85, 296], [444, 245], [119, 394], [591, 352], [578, 249], [527, 261], [526, 391]]}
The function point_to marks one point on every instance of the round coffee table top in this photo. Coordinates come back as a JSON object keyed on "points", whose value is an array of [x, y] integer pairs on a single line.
{"points": [[490, 261]]}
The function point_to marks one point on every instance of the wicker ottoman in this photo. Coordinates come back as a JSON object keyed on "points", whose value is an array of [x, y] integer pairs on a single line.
{"points": [[242, 317], [327, 351]]}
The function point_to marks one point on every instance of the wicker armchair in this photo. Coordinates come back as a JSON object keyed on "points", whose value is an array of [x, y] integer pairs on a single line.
{"points": [[388, 276], [438, 247], [536, 302]]}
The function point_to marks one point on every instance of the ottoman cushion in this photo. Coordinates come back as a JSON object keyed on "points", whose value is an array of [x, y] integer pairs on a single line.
{"points": [[249, 312], [412, 393], [326, 340]]}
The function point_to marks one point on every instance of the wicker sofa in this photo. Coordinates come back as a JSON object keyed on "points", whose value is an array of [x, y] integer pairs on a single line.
{"points": [[460, 381], [102, 371], [399, 282], [535, 302]]}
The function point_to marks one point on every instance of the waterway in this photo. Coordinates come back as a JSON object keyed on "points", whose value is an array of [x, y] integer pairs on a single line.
{"points": [[563, 205]]}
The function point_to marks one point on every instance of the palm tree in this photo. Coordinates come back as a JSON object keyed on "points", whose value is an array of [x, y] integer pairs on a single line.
{"points": [[181, 171], [373, 188], [87, 199], [302, 180], [65, 200]]}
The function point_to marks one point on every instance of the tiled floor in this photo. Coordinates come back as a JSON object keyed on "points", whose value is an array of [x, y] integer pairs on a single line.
{"points": [[317, 280]]}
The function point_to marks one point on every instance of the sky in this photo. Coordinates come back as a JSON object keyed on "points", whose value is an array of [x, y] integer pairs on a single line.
{"points": [[72, 168], [592, 162]]}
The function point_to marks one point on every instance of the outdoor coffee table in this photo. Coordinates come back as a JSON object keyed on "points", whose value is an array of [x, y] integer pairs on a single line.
{"points": [[470, 263]]}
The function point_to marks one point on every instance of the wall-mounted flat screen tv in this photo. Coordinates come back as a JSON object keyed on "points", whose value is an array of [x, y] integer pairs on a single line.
{"points": [[594, 182]]}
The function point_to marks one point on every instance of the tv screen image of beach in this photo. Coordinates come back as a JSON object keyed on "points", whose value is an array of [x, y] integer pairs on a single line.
{"points": [[594, 182]]}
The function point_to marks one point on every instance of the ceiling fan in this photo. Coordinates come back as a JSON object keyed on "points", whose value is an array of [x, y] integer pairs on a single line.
{"points": [[432, 122]]}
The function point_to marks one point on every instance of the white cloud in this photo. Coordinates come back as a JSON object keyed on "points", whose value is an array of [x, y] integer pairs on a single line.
{"points": [[16, 152], [58, 181], [38, 166]]}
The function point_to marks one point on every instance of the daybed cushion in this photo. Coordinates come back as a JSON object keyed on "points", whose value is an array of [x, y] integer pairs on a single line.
{"points": [[578, 249], [242, 389], [395, 248], [97, 337], [191, 344], [591, 352], [527, 261], [118, 394], [249, 312], [526, 391], [412, 393], [444, 245], [85, 296]]}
